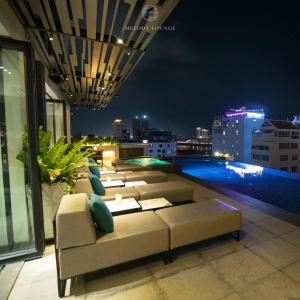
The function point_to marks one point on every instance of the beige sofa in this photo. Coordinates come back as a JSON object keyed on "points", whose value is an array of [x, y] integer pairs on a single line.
{"points": [[173, 191], [80, 249]]}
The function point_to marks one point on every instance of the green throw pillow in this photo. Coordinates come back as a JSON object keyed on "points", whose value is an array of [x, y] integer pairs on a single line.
{"points": [[93, 166], [101, 214], [97, 185]]}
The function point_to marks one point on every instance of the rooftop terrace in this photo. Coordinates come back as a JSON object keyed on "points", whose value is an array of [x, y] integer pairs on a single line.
{"points": [[264, 264]]}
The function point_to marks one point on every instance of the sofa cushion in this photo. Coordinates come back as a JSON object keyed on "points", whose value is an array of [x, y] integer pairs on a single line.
{"points": [[93, 167], [173, 191], [101, 214], [199, 221], [126, 192], [135, 235], [97, 185], [74, 223], [148, 176]]}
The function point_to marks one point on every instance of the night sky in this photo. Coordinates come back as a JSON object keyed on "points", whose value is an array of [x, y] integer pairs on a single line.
{"points": [[223, 54]]}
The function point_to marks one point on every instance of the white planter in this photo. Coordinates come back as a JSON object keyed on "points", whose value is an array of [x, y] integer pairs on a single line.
{"points": [[51, 195]]}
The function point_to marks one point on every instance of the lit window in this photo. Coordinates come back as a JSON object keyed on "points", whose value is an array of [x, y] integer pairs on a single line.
{"points": [[224, 133], [237, 121], [237, 132]]}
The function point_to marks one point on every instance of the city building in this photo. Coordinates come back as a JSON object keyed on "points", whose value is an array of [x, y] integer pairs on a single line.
{"points": [[276, 145], [202, 134], [145, 148], [232, 133], [120, 131], [162, 149], [140, 127]]}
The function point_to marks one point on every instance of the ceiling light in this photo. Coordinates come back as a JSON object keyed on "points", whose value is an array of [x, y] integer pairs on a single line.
{"points": [[120, 41], [103, 88], [9, 73], [5, 70], [109, 73], [1, 67], [51, 37]]}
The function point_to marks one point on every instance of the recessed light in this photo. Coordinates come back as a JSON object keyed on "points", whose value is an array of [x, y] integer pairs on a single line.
{"points": [[9, 73], [1, 67], [103, 88], [120, 41], [109, 73], [5, 70]]}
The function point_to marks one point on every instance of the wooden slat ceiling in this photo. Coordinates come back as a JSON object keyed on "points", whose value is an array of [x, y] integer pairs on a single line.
{"points": [[78, 39]]}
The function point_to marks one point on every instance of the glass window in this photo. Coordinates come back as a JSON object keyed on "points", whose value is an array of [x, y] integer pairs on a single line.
{"points": [[294, 146], [283, 133], [16, 206], [295, 135], [55, 120], [284, 157], [284, 146]]}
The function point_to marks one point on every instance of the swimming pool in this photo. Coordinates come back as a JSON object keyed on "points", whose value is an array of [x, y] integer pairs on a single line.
{"points": [[144, 161], [275, 187]]}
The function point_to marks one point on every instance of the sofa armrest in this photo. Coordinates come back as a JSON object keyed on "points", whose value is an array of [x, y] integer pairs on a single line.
{"points": [[74, 223]]}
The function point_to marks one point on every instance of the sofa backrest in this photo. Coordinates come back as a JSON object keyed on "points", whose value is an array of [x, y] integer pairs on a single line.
{"points": [[83, 186], [74, 223]]}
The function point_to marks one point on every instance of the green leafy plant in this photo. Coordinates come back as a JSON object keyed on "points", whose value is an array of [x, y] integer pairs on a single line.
{"points": [[57, 164]]}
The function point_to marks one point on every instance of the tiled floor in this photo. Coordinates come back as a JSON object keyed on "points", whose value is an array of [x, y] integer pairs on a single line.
{"points": [[265, 264]]}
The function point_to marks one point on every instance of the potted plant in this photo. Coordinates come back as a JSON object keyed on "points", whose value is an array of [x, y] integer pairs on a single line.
{"points": [[58, 166]]}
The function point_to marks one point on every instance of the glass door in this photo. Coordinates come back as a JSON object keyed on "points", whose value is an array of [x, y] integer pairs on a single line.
{"points": [[20, 214], [56, 119]]}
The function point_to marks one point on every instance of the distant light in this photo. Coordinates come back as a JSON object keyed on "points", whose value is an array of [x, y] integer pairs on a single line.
{"points": [[144, 116], [145, 141], [51, 37], [255, 115], [5, 70], [9, 73], [136, 117], [120, 41]]}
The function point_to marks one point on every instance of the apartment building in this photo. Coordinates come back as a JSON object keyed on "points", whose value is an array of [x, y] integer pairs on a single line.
{"points": [[120, 131], [232, 133], [162, 149], [276, 145]]}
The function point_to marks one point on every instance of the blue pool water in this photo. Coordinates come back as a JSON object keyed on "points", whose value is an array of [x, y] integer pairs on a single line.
{"points": [[275, 187]]}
